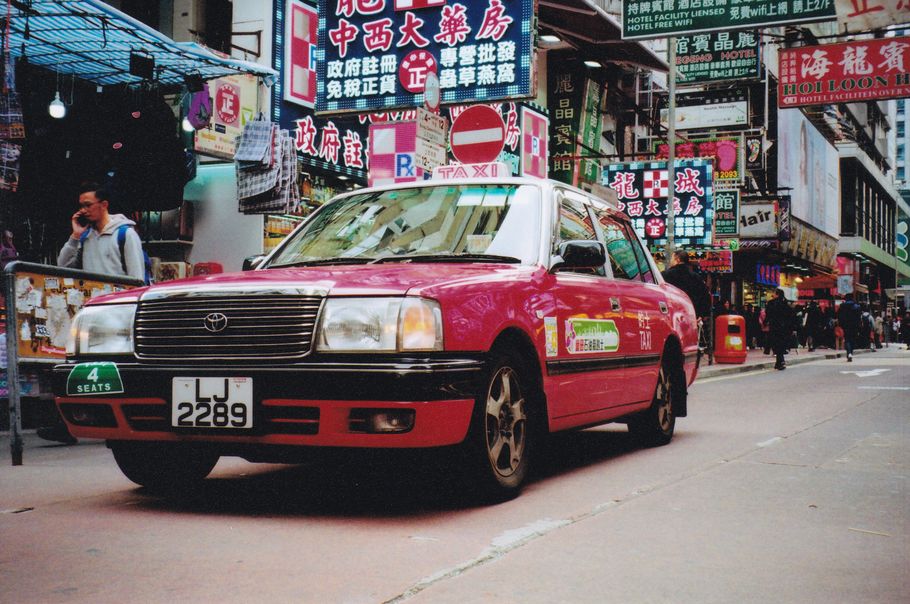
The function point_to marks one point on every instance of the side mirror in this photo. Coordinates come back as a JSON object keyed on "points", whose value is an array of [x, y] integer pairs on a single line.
{"points": [[581, 254], [252, 262]]}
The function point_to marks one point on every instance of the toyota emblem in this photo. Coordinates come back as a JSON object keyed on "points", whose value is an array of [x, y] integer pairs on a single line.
{"points": [[215, 322]]}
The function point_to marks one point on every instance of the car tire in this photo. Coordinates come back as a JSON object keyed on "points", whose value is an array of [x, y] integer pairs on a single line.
{"points": [[504, 429], [654, 427], [163, 467]]}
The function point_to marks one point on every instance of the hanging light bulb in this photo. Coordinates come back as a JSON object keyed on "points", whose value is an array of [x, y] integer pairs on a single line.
{"points": [[187, 126], [57, 109]]}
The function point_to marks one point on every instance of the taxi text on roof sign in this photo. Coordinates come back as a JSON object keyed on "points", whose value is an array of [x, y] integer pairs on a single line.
{"points": [[375, 54]]}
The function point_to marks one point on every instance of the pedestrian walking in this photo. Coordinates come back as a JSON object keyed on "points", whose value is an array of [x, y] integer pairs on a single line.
{"points": [[848, 319], [765, 329], [780, 319], [878, 329], [814, 324]]}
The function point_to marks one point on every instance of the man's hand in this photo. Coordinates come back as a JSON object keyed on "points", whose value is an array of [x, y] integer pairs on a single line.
{"points": [[77, 227]]}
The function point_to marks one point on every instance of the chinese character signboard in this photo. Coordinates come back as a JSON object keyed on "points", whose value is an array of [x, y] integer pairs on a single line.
{"points": [[234, 102], [861, 16], [375, 54], [574, 103], [642, 19], [725, 151], [715, 262], [726, 213], [717, 56], [767, 274], [642, 189], [844, 73]]}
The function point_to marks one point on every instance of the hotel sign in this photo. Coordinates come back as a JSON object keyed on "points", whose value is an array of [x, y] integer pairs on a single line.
{"points": [[717, 56], [643, 19], [851, 72]]}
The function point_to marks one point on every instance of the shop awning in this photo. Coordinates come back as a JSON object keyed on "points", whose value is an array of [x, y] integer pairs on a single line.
{"points": [[93, 42], [587, 26]]}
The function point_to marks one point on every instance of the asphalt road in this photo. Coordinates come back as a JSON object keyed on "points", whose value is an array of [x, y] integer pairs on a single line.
{"points": [[780, 487]]}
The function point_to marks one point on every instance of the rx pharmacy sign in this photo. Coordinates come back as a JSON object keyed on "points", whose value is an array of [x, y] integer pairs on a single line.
{"points": [[375, 55]]}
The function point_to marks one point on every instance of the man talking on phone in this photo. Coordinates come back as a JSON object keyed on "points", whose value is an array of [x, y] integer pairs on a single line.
{"points": [[96, 244]]}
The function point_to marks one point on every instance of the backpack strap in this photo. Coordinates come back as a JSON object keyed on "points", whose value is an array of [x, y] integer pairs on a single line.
{"points": [[82, 239], [121, 243]]}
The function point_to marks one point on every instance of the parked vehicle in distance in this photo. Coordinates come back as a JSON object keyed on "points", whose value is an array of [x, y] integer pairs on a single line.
{"points": [[476, 313]]}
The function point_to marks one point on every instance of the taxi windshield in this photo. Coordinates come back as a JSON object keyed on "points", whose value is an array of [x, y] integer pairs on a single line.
{"points": [[440, 222]]}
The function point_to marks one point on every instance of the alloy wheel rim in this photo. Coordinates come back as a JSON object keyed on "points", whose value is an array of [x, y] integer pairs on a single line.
{"points": [[506, 422]]}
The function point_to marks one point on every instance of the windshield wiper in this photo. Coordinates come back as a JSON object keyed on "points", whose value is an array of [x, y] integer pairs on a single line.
{"points": [[325, 261], [448, 257]]}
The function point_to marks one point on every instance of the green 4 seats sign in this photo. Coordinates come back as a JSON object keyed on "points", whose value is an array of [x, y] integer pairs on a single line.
{"points": [[101, 377]]}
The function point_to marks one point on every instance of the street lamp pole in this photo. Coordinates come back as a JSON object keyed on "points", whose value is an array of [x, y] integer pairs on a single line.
{"points": [[671, 144]]}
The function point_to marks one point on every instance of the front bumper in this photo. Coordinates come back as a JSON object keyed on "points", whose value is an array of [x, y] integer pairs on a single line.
{"points": [[309, 404]]}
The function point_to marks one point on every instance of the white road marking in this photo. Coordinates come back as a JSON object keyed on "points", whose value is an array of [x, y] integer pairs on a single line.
{"points": [[769, 442], [883, 387], [867, 373]]}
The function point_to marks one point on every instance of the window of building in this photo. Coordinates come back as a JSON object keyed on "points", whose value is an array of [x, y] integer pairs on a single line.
{"points": [[900, 173], [900, 129]]}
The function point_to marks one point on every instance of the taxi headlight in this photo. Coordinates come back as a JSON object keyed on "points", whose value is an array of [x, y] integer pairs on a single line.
{"points": [[380, 325], [103, 329]]}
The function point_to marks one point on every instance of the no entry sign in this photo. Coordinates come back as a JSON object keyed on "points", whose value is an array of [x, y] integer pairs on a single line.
{"points": [[477, 135]]}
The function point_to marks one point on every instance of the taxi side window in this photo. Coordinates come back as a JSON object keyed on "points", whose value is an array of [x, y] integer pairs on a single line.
{"points": [[644, 266], [620, 250], [575, 223]]}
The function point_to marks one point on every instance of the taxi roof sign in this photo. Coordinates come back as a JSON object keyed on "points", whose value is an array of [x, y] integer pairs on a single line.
{"points": [[495, 169]]}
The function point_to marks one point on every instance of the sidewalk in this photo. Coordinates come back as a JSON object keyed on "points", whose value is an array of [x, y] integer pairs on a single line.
{"points": [[756, 360]]}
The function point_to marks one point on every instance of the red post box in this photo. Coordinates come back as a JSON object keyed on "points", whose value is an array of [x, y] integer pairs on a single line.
{"points": [[730, 339]]}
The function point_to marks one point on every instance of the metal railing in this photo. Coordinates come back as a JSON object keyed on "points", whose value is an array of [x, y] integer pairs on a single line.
{"points": [[41, 301]]}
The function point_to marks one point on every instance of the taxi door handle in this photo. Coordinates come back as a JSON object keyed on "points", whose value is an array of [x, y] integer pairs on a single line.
{"points": [[663, 307], [614, 304]]}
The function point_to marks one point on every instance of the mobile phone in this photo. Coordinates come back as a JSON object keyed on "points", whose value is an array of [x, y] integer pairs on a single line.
{"points": [[82, 220]]}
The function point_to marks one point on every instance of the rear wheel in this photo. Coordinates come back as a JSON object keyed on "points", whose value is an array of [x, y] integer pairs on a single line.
{"points": [[163, 467], [654, 427], [503, 429]]}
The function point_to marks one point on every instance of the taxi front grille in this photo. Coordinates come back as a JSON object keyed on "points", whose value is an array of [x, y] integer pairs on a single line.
{"points": [[264, 328]]}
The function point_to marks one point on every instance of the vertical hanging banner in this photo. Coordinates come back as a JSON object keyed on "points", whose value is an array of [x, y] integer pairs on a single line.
{"points": [[375, 54], [534, 143], [726, 213], [393, 150], [574, 104], [301, 23], [642, 190], [851, 72]]}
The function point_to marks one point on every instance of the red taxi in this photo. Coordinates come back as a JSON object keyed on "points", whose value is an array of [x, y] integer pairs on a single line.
{"points": [[479, 314]]}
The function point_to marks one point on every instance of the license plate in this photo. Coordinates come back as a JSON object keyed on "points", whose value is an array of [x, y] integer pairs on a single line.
{"points": [[207, 402]]}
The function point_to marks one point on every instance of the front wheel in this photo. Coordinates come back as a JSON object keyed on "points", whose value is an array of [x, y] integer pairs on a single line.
{"points": [[654, 427], [503, 429], [163, 467]]}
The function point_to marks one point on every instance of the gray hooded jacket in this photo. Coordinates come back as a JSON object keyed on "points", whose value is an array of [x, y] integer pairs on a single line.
{"points": [[101, 254]]}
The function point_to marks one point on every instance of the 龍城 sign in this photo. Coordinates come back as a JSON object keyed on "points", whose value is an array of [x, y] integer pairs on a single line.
{"points": [[643, 188]]}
